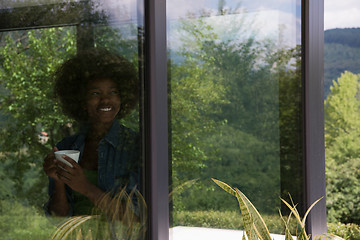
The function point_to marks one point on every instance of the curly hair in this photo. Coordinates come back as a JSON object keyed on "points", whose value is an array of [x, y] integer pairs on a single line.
{"points": [[72, 78]]}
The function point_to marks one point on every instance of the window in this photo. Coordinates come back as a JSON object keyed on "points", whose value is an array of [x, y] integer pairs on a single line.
{"points": [[192, 115], [36, 38], [236, 111]]}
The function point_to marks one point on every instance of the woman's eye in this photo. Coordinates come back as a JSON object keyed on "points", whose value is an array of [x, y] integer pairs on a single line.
{"points": [[115, 92], [94, 93]]}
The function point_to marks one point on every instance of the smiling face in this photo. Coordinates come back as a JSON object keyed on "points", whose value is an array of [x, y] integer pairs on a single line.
{"points": [[102, 102]]}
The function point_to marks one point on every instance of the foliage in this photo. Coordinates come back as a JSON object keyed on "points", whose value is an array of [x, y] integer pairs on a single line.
{"points": [[226, 220], [193, 96], [343, 191], [248, 79], [28, 102], [29, 94], [117, 220], [289, 72], [28, 60], [348, 231], [196, 95], [342, 151], [239, 149], [19, 222], [255, 227], [231, 220], [209, 219]]}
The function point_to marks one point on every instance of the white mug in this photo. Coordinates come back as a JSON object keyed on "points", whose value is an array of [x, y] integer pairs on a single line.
{"points": [[74, 154]]}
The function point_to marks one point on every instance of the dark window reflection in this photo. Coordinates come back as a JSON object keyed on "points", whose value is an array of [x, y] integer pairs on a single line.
{"points": [[70, 77]]}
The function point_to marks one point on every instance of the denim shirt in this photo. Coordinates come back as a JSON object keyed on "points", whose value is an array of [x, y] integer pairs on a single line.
{"points": [[118, 161]]}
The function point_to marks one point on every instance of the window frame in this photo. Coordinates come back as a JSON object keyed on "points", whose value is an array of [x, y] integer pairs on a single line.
{"points": [[314, 140], [155, 124], [156, 120], [313, 99]]}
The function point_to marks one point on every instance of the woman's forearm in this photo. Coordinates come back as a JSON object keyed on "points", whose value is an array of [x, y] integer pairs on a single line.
{"points": [[59, 204]]}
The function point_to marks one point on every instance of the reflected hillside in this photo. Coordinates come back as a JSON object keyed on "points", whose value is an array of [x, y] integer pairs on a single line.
{"points": [[341, 53]]}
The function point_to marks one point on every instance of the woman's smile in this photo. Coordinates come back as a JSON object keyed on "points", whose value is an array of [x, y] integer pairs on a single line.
{"points": [[106, 109], [102, 101]]}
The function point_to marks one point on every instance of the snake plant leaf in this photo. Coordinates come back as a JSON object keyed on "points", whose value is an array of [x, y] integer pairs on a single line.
{"points": [[308, 211], [247, 219], [302, 235], [258, 222], [60, 231], [244, 237], [225, 187], [293, 210], [182, 187], [255, 227], [252, 233], [69, 226], [288, 235]]}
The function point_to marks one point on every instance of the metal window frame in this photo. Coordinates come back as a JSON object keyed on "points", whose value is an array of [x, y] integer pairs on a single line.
{"points": [[156, 120], [156, 113], [313, 79], [314, 146]]}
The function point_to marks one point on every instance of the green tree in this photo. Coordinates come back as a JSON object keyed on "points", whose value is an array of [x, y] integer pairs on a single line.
{"points": [[196, 96], [342, 149], [246, 134], [288, 72], [28, 61]]}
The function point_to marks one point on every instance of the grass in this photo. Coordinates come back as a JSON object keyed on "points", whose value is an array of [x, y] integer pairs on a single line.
{"points": [[18, 222]]}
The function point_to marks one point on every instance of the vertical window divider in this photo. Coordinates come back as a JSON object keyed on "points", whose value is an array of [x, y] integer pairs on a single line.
{"points": [[156, 120], [313, 62]]}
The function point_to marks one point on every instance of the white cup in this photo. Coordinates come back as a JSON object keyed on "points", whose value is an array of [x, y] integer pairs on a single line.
{"points": [[74, 154]]}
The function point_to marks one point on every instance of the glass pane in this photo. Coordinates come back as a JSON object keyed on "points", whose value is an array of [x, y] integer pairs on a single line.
{"points": [[342, 114], [236, 111], [70, 78]]}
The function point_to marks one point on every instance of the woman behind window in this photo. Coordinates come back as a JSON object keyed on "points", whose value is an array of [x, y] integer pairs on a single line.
{"points": [[96, 88]]}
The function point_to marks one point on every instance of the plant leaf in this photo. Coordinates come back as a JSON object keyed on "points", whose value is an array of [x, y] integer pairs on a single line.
{"points": [[308, 211], [288, 235], [294, 211], [302, 235], [259, 224], [65, 229], [224, 186], [247, 218], [243, 237]]}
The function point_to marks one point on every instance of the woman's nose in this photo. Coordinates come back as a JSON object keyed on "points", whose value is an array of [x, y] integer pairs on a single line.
{"points": [[105, 98]]}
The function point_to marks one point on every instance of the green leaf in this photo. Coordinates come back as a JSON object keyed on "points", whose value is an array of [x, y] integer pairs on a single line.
{"points": [[288, 235], [302, 235], [259, 224], [69, 226], [225, 187], [308, 211]]}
